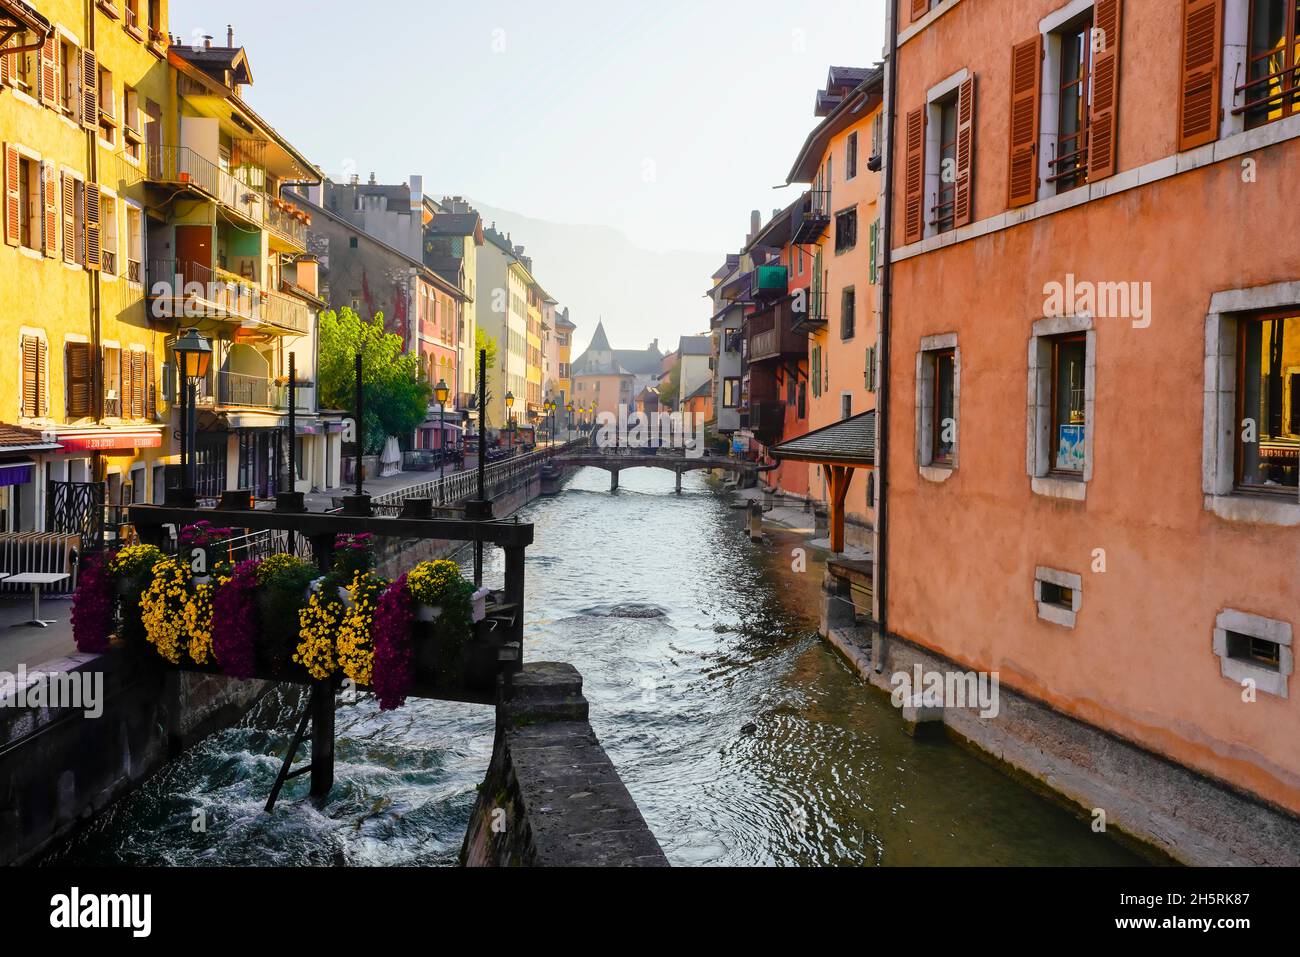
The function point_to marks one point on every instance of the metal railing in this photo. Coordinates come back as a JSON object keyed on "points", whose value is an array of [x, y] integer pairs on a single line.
{"points": [[257, 392], [463, 486], [181, 166], [198, 290]]}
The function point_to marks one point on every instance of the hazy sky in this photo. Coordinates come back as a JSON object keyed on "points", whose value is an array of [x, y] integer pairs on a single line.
{"points": [[669, 121]]}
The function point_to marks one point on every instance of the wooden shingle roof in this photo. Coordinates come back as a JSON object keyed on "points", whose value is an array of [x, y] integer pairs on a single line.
{"points": [[848, 442]]}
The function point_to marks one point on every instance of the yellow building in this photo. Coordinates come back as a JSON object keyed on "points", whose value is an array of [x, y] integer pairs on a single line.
{"points": [[82, 88], [534, 371]]}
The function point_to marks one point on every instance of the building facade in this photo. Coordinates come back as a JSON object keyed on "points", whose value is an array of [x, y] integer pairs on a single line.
{"points": [[1093, 449]]}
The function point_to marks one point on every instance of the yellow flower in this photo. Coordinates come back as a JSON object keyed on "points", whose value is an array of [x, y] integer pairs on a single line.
{"points": [[317, 623]]}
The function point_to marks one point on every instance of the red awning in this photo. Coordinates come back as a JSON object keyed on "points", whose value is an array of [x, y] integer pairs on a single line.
{"points": [[109, 441]]}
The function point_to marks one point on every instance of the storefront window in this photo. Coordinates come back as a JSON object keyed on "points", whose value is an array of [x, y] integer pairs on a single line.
{"points": [[1268, 396], [1069, 419]]}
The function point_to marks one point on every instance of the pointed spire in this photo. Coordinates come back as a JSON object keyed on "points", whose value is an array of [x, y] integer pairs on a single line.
{"points": [[599, 341]]}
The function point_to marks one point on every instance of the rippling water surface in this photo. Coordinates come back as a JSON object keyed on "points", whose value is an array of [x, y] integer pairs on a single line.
{"points": [[686, 635]]}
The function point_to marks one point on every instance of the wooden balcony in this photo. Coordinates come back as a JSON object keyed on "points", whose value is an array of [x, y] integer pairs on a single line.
{"points": [[772, 335]]}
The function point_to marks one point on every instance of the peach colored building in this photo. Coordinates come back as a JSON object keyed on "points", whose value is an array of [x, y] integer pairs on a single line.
{"points": [[834, 253], [1093, 415]]}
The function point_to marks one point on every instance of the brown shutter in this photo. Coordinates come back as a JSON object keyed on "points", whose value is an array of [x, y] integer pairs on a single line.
{"points": [[92, 226], [919, 9], [50, 204], [6, 61], [1199, 109], [69, 219], [1103, 122], [963, 207], [914, 177], [13, 201], [43, 375], [137, 384], [79, 381], [89, 90], [1026, 78], [150, 389], [48, 77], [124, 383], [31, 373]]}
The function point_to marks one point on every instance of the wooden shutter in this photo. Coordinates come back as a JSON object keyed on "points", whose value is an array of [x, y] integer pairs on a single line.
{"points": [[919, 9], [150, 388], [1103, 122], [13, 201], [963, 207], [6, 60], [914, 177], [93, 257], [48, 75], [1199, 109], [69, 219], [90, 90], [79, 379], [50, 206], [1026, 79], [137, 384], [31, 376]]}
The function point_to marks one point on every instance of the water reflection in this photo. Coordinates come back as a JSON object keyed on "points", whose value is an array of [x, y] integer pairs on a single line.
{"points": [[743, 738]]}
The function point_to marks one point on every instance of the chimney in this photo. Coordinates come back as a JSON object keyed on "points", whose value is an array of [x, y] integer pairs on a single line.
{"points": [[755, 223], [207, 41], [230, 34], [417, 192], [373, 181]]}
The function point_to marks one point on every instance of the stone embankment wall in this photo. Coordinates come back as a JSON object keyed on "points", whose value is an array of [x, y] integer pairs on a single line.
{"points": [[59, 767], [552, 797]]}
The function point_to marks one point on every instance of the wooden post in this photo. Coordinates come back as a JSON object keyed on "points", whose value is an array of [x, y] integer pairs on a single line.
{"points": [[322, 739], [841, 477], [515, 596], [613, 480]]}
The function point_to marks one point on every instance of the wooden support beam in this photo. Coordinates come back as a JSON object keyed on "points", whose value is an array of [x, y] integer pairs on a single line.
{"points": [[841, 477]]}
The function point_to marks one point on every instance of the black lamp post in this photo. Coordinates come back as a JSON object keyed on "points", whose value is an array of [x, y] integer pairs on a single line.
{"points": [[441, 393], [510, 419], [193, 356], [568, 421], [290, 499], [358, 503]]}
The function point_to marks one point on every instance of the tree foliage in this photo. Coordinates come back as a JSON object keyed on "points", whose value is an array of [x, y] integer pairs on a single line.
{"points": [[396, 391]]}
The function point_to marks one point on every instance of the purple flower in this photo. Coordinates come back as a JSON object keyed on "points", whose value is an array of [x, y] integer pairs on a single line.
{"points": [[235, 621], [92, 606], [394, 674]]}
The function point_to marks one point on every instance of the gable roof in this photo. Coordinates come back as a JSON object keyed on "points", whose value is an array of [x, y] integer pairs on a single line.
{"points": [[856, 106], [847, 442]]}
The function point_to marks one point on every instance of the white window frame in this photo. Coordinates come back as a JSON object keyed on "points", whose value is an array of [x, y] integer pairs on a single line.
{"points": [[1049, 100], [930, 345], [934, 101], [110, 232], [1051, 612], [138, 235], [1040, 444], [1238, 670], [36, 226], [1219, 427]]}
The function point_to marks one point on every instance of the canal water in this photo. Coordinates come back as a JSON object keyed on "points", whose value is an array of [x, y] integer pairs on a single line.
{"points": [[743, 738]]}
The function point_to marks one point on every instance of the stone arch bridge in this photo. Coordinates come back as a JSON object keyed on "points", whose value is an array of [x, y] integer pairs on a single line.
{"points": [[615, 461]]}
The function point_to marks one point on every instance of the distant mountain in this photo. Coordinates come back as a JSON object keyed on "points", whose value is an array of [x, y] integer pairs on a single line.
{"points": [[598, 273]]}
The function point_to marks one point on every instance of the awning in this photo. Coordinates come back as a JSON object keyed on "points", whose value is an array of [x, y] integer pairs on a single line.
{"points": [[109, 440], [18, 472], [841, 448], [850, 442]]}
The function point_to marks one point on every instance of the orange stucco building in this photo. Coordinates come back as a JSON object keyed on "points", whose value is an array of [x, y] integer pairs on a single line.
{"points": [[1093, 406]]}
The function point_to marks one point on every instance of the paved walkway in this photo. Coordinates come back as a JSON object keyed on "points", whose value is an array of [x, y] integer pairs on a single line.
{"points": [[795, 517], [34, 646]]}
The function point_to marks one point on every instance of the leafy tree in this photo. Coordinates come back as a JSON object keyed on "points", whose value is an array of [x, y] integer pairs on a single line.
{"points": [[670, 385], [396, 391]]}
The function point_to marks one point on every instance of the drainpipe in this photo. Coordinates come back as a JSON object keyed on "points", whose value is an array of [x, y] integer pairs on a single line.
{"points": [[98, 467], [886, 309]]}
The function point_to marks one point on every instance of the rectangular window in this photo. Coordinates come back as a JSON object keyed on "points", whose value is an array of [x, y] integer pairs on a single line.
{"points": [[1069, 422], [1272, 87], [112, 382], [131, 134], [108, 210], [35, 376], [68, 57], [848, 313], [846, 405], [1268, 440], [1257, 651], [851, 157], [731, 393], [846, 230], [1074, 87], [944, 419], [1058, 595], [943, 216], [29, 210]]}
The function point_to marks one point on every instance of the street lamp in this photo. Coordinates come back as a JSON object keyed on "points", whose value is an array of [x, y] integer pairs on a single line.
{"points": [[193, 356], [510, 418], [441, 393], [568, 420]]}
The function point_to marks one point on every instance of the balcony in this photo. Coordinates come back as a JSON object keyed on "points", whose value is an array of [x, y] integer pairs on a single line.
{"points": [[811, 216], [237, 390], [813, 314], [768, 283], [196, 291], [772, 336], [767, 421], [181, 167]]}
